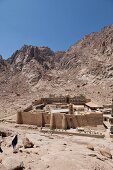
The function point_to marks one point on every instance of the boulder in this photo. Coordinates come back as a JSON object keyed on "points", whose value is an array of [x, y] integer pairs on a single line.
{"points": [[10, 163], [91, 147], [106, 152], [92, 155], [27, 143]]}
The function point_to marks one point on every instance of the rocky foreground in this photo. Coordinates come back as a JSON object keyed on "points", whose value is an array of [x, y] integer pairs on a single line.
{"points": [[36, 150], [32, 72]]}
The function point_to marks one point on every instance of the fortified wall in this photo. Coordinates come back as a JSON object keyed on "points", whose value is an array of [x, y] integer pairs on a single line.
{"points": [[58, 120], [59, 113]]}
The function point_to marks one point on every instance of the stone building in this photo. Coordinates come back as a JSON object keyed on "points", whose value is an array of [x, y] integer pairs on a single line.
{"points": [[60, 113]]}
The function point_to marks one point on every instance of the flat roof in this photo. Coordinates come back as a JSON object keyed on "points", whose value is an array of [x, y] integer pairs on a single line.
{"points": [[78, 106], [59, 110], [91, 104]]}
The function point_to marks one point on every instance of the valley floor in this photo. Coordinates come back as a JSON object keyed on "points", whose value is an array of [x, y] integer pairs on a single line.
{"points": [[54, 152]]}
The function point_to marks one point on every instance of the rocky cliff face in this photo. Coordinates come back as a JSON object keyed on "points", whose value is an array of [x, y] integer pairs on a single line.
{"points": [[85, 68], [28, 54], [91, 59]]}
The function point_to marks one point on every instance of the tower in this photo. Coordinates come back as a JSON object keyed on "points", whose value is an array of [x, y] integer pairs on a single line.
{"points": [[71, 110]]}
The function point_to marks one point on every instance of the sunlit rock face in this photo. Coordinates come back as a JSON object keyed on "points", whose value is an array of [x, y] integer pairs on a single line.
{"points": [[85, 68]]}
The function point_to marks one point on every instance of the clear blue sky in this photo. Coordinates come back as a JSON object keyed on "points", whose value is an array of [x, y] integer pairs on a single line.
{"points": [[54, 23]]}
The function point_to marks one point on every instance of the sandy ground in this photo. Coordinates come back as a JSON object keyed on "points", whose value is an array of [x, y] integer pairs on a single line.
{"points": [[56, 152]]}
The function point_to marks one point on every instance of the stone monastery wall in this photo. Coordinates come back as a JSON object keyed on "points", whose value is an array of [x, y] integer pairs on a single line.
{"points": [[41, 119]]}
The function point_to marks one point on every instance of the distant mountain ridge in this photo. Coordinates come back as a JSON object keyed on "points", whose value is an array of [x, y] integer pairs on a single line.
{"points": [[85, 68]]}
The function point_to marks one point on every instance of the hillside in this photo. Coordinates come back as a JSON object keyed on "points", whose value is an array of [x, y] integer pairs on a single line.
{"points": [[32, 72]]}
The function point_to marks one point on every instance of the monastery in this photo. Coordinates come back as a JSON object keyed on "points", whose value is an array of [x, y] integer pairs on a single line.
{"points": [[62, 112]]}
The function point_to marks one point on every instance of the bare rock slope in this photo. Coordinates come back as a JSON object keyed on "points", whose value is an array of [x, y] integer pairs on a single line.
{"points": [[32, 72]]}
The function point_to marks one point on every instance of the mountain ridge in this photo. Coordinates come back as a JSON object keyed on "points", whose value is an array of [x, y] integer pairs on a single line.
{"points": [[85, 68]]}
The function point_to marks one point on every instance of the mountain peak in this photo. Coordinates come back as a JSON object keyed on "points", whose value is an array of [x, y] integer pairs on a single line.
{"points": [[28, 53], [85, 68]]}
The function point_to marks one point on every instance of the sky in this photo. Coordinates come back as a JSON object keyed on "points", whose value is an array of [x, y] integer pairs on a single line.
{"points": [[54, 23]]}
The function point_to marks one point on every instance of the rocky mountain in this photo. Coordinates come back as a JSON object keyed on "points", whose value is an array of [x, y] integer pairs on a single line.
{"points": [[85, 68]]}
